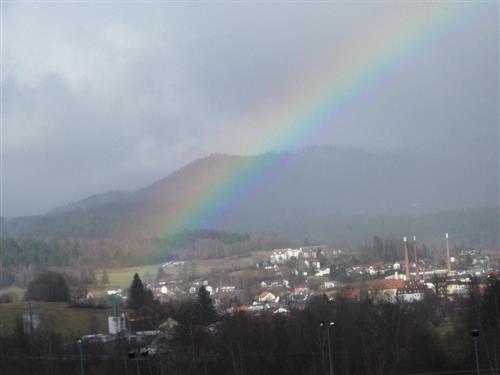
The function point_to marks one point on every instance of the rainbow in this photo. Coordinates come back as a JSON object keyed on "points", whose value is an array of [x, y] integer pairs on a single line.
{"points": [[322, 98]]}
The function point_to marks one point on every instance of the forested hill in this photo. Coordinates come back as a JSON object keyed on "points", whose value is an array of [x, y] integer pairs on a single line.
{"points": [[323, 194]]}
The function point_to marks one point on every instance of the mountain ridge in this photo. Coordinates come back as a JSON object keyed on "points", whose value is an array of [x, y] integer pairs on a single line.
{"points": [[322, 184]]}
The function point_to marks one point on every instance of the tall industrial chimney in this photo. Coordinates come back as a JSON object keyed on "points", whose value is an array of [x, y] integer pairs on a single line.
{"points": [[448, 260], [407, 261], [417, 273]]}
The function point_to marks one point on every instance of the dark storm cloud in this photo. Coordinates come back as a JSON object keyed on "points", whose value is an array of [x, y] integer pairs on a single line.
{"points": [[114, 96]]}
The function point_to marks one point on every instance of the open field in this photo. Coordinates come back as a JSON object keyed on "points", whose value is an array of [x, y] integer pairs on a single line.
{"points": [[204, 267], [58, 316], [122, 277]]}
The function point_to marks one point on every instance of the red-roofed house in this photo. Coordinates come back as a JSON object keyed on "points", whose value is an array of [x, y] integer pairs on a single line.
{"points": [[267, 297], [382, 290]]}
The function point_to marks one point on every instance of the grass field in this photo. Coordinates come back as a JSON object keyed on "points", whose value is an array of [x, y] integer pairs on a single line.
{"points": [[122, 277], [57, 316]]}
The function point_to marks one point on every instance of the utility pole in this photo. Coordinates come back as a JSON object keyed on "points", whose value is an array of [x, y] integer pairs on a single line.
{"points": [[475, 336], [30, 309], [330, 359], [82, 370]]}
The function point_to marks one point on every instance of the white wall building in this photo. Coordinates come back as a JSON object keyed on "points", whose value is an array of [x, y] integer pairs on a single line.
{"points": [[116, 324]]}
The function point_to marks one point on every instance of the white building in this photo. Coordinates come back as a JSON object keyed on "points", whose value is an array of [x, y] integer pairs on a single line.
{"points": [[323, 272], [412, 293], [280, 256], [116, 324]]}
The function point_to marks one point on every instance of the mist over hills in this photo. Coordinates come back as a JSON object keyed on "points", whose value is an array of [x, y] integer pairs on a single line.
{"points": [[95, 200], [324, 194]]}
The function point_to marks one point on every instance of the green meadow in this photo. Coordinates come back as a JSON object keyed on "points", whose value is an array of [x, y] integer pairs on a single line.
{"points": [[57, 316]]}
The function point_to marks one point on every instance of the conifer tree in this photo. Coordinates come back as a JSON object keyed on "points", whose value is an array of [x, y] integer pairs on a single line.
{"points": [[206, 310], [136, 294], [104, 278]]}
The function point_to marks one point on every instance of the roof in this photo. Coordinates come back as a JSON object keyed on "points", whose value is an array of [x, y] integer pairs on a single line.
{"points": [[264, 293], [351, 293], [169, 324], [386, 284]]}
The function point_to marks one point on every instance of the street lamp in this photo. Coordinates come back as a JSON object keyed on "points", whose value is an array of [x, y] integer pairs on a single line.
{"points": [[475, 336], [327, 327], [82, 371]]}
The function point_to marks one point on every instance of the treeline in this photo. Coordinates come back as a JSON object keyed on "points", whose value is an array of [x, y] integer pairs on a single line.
{"points": [[22, 260], [365, 338], [390, 249], [211, 244]]}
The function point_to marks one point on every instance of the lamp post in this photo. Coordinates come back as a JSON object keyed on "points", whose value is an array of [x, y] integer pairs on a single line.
{"points": [[327, 327], [475, 336], [82, 371]]}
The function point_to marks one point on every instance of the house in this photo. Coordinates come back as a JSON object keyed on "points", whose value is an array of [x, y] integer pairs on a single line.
{"points": [[313, 263], [382, 290], [301, 290], [168, 325], [111, 292], [328, 285], [330, 253], [267, 297], [411, 292], [281, 310], [226, 289], [294, 253], [323, 272], [482, 262], [275, 283], [458, 288], [278, 256], [310, 252], [196, 285], [116, 324]]}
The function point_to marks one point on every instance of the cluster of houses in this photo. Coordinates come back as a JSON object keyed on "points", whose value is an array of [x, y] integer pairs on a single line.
{"points": [[289, 279], [387, 282]]}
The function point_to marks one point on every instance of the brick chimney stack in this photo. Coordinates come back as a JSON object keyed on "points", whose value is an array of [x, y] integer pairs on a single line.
{"points": [[417, 274], [407, 260]]}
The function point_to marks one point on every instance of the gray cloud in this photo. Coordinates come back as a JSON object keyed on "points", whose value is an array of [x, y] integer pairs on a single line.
{"points": [[114, 96]]}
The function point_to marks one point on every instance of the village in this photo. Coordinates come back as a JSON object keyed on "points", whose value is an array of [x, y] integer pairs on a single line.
{"points": [[279, 284], [288, 278]]}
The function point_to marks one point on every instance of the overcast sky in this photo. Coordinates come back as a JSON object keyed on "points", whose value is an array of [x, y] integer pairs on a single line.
{"points": [[109, 96]]}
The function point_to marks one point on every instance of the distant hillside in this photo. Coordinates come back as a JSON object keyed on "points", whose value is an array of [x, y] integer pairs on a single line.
{"points": [[93, 201], [323, 194]]}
